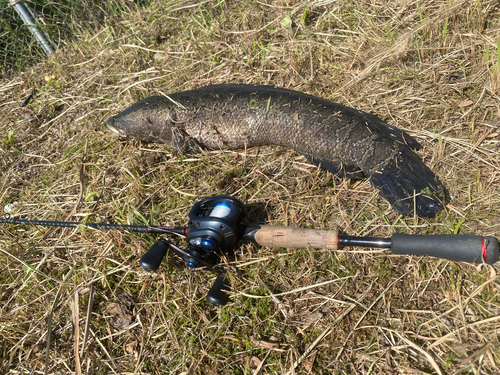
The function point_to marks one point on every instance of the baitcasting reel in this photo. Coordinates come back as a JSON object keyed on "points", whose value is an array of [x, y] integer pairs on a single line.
{"points": [[215, 223]]}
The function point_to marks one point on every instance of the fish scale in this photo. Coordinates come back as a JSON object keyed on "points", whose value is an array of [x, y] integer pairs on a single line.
{"points": [[345, 141]]}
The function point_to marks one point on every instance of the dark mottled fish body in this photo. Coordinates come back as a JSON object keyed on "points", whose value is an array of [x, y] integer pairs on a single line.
{"points": [[343, 140]]}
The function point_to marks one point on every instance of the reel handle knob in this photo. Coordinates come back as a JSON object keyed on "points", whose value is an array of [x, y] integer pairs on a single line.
{"points": [[218, 293], [151, 261]]}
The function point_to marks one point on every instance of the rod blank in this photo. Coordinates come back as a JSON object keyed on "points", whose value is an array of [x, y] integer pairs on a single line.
{"points": [[73, 224]]}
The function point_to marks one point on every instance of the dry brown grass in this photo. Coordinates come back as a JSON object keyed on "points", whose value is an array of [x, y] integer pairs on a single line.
{"points": [[431, 67]]}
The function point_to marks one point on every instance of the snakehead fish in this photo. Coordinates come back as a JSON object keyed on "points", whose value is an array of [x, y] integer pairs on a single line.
{"points": [[345, 141]]}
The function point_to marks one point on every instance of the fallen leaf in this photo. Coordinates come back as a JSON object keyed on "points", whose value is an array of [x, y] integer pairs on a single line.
{"points": [[465, 103], [130, 347], [313, 318], [122, 311], [265, 344], [308, 362], [255, 362]]}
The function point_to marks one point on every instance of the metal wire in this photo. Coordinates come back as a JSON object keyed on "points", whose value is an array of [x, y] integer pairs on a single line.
{"points": [[57, 20], [29, 22]]}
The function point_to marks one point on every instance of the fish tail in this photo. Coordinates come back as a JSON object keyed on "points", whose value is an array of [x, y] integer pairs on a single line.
{"points": [[409, 185]]}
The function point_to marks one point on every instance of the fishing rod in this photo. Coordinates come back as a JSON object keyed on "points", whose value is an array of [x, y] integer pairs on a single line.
{"points": [[217, 224]]}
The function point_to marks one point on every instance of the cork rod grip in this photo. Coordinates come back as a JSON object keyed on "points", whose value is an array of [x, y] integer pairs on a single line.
{"points": [[296, 237]]}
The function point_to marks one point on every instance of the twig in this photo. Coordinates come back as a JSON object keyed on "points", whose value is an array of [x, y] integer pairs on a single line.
{"points": [[366, 312], [418, 348], [281, 307], [75, 312], [82, 182], [89, 317], [299, 289], [325, 333], [49, 321]]}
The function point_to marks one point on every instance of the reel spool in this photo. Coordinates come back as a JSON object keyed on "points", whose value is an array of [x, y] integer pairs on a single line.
{"points": [[213, 224]]}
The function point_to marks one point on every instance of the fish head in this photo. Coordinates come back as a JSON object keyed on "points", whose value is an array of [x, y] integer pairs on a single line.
{"points": [[148, 120]]}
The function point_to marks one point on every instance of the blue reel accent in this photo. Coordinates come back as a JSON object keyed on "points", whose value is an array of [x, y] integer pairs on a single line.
{"points": [[208, 244]]}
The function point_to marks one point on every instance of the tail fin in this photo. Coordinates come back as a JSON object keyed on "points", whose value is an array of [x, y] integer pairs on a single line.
{"points": [[408, 184]]}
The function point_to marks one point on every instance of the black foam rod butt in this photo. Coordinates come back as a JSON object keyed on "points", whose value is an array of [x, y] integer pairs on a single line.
{"points": [[151, 261], [458, 247], [218, 293]]}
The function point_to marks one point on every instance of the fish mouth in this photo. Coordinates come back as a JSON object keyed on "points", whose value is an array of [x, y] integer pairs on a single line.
{"points": [[112, 129]]}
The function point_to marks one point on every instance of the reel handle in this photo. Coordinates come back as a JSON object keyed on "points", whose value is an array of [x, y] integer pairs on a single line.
{"points": [[218, 293], [151, 261]]}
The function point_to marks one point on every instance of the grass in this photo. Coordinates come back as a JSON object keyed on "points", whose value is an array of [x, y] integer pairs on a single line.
{"points": [[429, 67]]}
